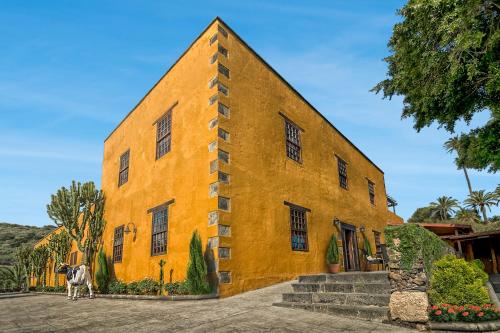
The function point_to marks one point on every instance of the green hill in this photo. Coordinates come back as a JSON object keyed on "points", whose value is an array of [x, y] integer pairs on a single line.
{"points": [[13, 236]]}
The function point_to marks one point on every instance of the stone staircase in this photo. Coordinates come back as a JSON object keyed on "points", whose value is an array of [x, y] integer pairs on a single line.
{"points": [[495, 282], [363, 295]]}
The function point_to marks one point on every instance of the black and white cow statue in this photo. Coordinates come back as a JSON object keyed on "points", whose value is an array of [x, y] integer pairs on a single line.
{"points": [[76, 277]]}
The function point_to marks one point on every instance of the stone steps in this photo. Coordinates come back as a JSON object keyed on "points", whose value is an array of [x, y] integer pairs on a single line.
{"points": [[363, 295], [358, 287], [375, 313], [338, 298]]}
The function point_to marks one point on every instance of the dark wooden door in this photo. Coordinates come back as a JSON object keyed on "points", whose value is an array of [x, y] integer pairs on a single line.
{"points": [[350, 247]]}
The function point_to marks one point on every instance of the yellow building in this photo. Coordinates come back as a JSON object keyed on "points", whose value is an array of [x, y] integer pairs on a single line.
{"points": [[224, 145]]}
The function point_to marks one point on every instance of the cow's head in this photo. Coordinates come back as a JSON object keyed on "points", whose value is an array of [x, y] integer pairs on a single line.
{"points": [[63, 268]]}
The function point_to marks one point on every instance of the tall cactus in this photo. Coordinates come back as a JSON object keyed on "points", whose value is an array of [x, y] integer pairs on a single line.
{"points": [[80, 210], [59, 245], [39, 258], [23, 257]]}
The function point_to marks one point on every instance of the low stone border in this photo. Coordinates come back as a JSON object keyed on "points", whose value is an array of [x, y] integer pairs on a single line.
{"points": [[466, 327], [143, 297], [14, 294]]}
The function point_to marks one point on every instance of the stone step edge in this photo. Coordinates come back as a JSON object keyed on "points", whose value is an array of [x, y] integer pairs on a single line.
{"points": [[334, 293], [338, 306]]}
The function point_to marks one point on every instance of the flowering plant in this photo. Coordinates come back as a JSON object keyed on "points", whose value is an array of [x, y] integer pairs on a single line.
{"points": [[470, 313]]}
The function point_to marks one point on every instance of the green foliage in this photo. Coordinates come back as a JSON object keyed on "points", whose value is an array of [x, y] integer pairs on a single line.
{"points": [[445, 60], [177, 288], [161, 263], [458, 282], [415, 242], [332, 252], [39, 258], [367, 247], [23, 258], [443, 207], [80, 211], [421, 215], [117, 287], [148, 286], [102, 274], [12, 277], [197, 268], [13, 236]]}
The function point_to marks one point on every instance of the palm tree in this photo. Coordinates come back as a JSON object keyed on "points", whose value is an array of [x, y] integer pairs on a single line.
{"points": [[483, 200], [453, 145], [467, 215], [443, 207]]}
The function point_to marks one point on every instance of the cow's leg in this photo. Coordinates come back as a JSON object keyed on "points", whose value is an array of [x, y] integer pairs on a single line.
{"points": [[75, 294], [69, 289], [89, 285]]}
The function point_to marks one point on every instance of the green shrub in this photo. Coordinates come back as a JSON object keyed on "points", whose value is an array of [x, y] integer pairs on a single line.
{"points": [[176, 288], [59, 289], [458, 282], [197, 268], [332, 253], [367, 247], [148, 286], [415, 242], [102, 274], [133, 288], [117, 287]]}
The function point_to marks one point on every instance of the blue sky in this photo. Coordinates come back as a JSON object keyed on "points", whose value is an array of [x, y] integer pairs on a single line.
{"points": [[71, 70]]}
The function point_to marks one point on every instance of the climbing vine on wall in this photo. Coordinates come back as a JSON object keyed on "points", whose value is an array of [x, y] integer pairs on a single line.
{"points": [[415, 242]]}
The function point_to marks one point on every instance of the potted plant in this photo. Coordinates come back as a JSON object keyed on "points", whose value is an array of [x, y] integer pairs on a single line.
{"points": [[332, 255]]}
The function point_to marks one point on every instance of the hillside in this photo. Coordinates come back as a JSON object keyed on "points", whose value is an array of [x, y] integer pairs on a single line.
{"points": [[14, 235]]}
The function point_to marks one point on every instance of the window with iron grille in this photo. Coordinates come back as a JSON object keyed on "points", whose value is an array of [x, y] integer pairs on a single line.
{"points": [[163, 135], [213, 99], [118, 244], [224, 203], [342, 165], [223, 177], [371, 192], [223, 134], [293, 148], [159, 234], [222, 31], [73, 257], [223, 89], [222, 50], [298, 227], [224, 110], [123, 172], [213, 39], [223, 156], [378, 248], [223, 70]]}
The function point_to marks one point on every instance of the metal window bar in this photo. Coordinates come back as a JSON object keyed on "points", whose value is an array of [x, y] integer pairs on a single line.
{"points": [[159, 232], [163, 135], [293, 146], [298, 226]]}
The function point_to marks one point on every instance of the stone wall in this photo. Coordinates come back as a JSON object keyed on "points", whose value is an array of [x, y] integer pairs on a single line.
{"points": [[408, 302]]}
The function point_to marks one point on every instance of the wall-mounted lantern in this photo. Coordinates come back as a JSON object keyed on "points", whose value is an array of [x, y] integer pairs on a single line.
{"points": [[128, 230]]}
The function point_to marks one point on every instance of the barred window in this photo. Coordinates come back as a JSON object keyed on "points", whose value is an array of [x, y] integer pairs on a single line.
{"points": [[213, 82], [298, 223], [213, 99], [222, 31], [163, 135], [223, 70], [224, 203], [342, 165], [223, 177], [213, 58], [223, 134], [118, 244], [222, 50], [293, 147], [371, 191], [223, 156], [159, 234], [224, 110], [378, 247], [73, 258], [223, 89], [123, 172], [213, 39]]}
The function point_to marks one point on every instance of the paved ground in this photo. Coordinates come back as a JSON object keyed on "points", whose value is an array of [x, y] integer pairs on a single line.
{"points": [[248, 312]]}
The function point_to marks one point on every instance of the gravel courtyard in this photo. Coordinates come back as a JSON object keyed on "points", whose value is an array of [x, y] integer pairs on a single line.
{"points": [[248, 312]]}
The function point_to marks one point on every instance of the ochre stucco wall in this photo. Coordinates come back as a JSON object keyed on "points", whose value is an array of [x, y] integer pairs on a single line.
{"points": [[261, 175]]}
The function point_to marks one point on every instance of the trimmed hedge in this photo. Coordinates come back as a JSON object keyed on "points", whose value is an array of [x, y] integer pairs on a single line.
{"points": [[458, 282]]}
